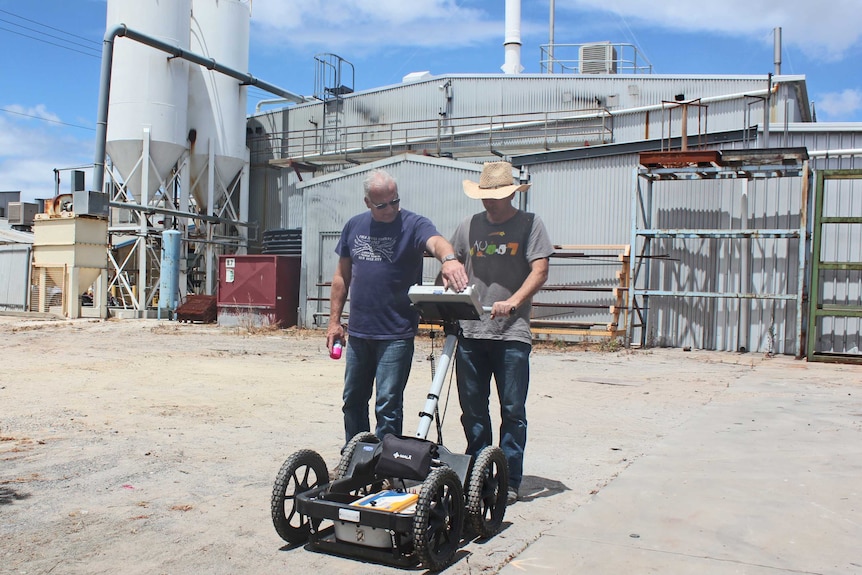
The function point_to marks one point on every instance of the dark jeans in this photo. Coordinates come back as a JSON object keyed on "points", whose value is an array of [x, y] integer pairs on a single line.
{"points": [[386, 361], [509, 362]]}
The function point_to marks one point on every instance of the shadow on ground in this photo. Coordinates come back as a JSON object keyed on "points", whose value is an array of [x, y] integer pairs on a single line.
{"points": [[533, 487], [9, 496]]}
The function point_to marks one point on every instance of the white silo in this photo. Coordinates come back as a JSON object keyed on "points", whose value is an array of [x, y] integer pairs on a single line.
{"points": [[217, 102], [149, 92]]}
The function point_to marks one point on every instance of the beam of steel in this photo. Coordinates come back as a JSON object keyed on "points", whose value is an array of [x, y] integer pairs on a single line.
{"points": [[180, 214]]}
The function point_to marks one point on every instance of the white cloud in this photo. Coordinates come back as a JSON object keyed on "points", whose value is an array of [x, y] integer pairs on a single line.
{"points": [[34, 112], [821, 31], [367, 25], [838, 105], [376, 25], [29, 155]]}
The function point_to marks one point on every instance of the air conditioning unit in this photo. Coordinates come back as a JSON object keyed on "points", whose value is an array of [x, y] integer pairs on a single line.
{"points": [[598, 58], [22, 213]]}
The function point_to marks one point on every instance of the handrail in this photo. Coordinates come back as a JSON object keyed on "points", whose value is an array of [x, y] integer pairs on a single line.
{"points": [[625, 58], [440, 135]]}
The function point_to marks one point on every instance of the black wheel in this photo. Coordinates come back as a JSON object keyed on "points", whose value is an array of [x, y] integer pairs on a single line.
{"points": [[350, 449], [302, 471], [439, 518], [487, 490]]}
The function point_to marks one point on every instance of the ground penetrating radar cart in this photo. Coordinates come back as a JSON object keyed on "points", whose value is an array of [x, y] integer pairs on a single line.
{"points": [[402, 500]]}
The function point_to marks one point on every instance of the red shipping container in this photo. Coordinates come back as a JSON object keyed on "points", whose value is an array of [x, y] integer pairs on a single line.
{"points": [[258, 290]]}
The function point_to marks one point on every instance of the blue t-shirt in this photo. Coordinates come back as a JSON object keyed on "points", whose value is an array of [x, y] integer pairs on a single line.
{"points": [[387, 260]]}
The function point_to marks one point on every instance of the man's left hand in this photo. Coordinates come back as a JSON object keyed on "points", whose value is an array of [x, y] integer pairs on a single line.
{"points": [[502, 309]]}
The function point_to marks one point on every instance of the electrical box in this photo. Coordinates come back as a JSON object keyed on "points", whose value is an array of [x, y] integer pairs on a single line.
{"points": [[258, 290], [77, 181], [90, 204]]}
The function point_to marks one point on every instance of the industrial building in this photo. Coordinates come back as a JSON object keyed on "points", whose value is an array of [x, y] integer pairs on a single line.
{"points": [[722, 260], [710, 212]]}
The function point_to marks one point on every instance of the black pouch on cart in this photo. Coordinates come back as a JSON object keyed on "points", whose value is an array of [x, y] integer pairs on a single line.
{"points": [[405, 457]]}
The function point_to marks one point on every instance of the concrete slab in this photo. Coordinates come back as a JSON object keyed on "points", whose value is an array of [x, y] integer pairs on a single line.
{"points": [[765, 479]]}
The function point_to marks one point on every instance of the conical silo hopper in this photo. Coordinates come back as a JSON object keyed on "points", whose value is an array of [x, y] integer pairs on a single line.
{"points": [[149, 91], [217, 102]]}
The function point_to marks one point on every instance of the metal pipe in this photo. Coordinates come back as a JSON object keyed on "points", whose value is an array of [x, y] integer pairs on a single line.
{"points": [[274, 101], [551, 41], [179, 213], [777, 51], [767, 104], [512, 42], [720, 295], [834, 153], [105, 86], [437, 386]]}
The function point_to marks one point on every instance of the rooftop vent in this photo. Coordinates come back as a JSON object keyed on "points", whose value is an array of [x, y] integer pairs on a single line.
{"points": [[598, 58], [416, 76]]}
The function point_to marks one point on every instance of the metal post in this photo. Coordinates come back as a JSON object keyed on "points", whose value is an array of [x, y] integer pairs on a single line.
{"points": [[551, 41], [142, 239], [744, 272], [437, 385]]}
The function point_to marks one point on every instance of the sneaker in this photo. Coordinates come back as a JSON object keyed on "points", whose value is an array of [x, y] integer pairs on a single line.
{"points": [[513, 496]]}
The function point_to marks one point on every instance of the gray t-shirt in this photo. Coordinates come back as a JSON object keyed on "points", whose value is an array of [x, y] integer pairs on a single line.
{"points": [[497, 258]]}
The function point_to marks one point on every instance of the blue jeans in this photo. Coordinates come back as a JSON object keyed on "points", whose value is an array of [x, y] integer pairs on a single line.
{"points": [[387, 361], [509, 362]]}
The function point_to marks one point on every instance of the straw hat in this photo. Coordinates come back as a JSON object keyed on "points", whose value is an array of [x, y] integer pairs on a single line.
{"points": [[495, 183]]}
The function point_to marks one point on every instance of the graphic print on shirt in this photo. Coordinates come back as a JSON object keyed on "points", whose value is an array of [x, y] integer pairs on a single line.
{"points": [[373, 248], [493, 246]]}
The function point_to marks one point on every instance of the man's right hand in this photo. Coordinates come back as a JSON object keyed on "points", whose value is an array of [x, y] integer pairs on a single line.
{"points": [[454, 275], [334, 333]]}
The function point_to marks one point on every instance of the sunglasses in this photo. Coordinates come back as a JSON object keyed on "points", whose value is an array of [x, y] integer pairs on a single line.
{"points": [[382, 206]]}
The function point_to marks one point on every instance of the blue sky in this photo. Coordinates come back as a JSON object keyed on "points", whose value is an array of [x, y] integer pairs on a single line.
{"points": [[50, 55]]}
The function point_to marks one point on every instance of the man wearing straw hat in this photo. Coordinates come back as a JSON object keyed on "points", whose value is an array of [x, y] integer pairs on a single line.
{"points": [[505, 251]]}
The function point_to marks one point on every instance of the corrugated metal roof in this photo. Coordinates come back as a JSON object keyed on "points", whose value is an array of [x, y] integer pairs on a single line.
{"points": [[10, 236]]}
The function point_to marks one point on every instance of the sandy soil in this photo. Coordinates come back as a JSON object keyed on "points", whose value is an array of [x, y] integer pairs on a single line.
{"points": [[149, 447]]}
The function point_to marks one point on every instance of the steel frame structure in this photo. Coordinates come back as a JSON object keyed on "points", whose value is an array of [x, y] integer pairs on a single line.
{"points": [[819, 309], [750, 165]]}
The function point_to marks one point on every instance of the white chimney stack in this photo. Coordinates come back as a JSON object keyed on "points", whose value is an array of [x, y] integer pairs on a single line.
{"points": [[512, 43]]}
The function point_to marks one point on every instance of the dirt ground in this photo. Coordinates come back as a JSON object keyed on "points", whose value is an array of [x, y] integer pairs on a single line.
{"points": [[150, 447]]}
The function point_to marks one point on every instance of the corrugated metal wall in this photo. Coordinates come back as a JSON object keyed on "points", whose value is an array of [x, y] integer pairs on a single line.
{"points": [[583, 202], [715, 265], [428, 186], [14, 276], [840, 242], [596, 208], [589, 201]]}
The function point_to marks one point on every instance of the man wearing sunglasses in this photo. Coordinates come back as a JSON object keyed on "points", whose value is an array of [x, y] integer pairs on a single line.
{"points": [[381, 255]]}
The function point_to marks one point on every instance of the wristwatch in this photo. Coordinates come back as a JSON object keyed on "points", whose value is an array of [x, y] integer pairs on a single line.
{"points": [[448, 258]]}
